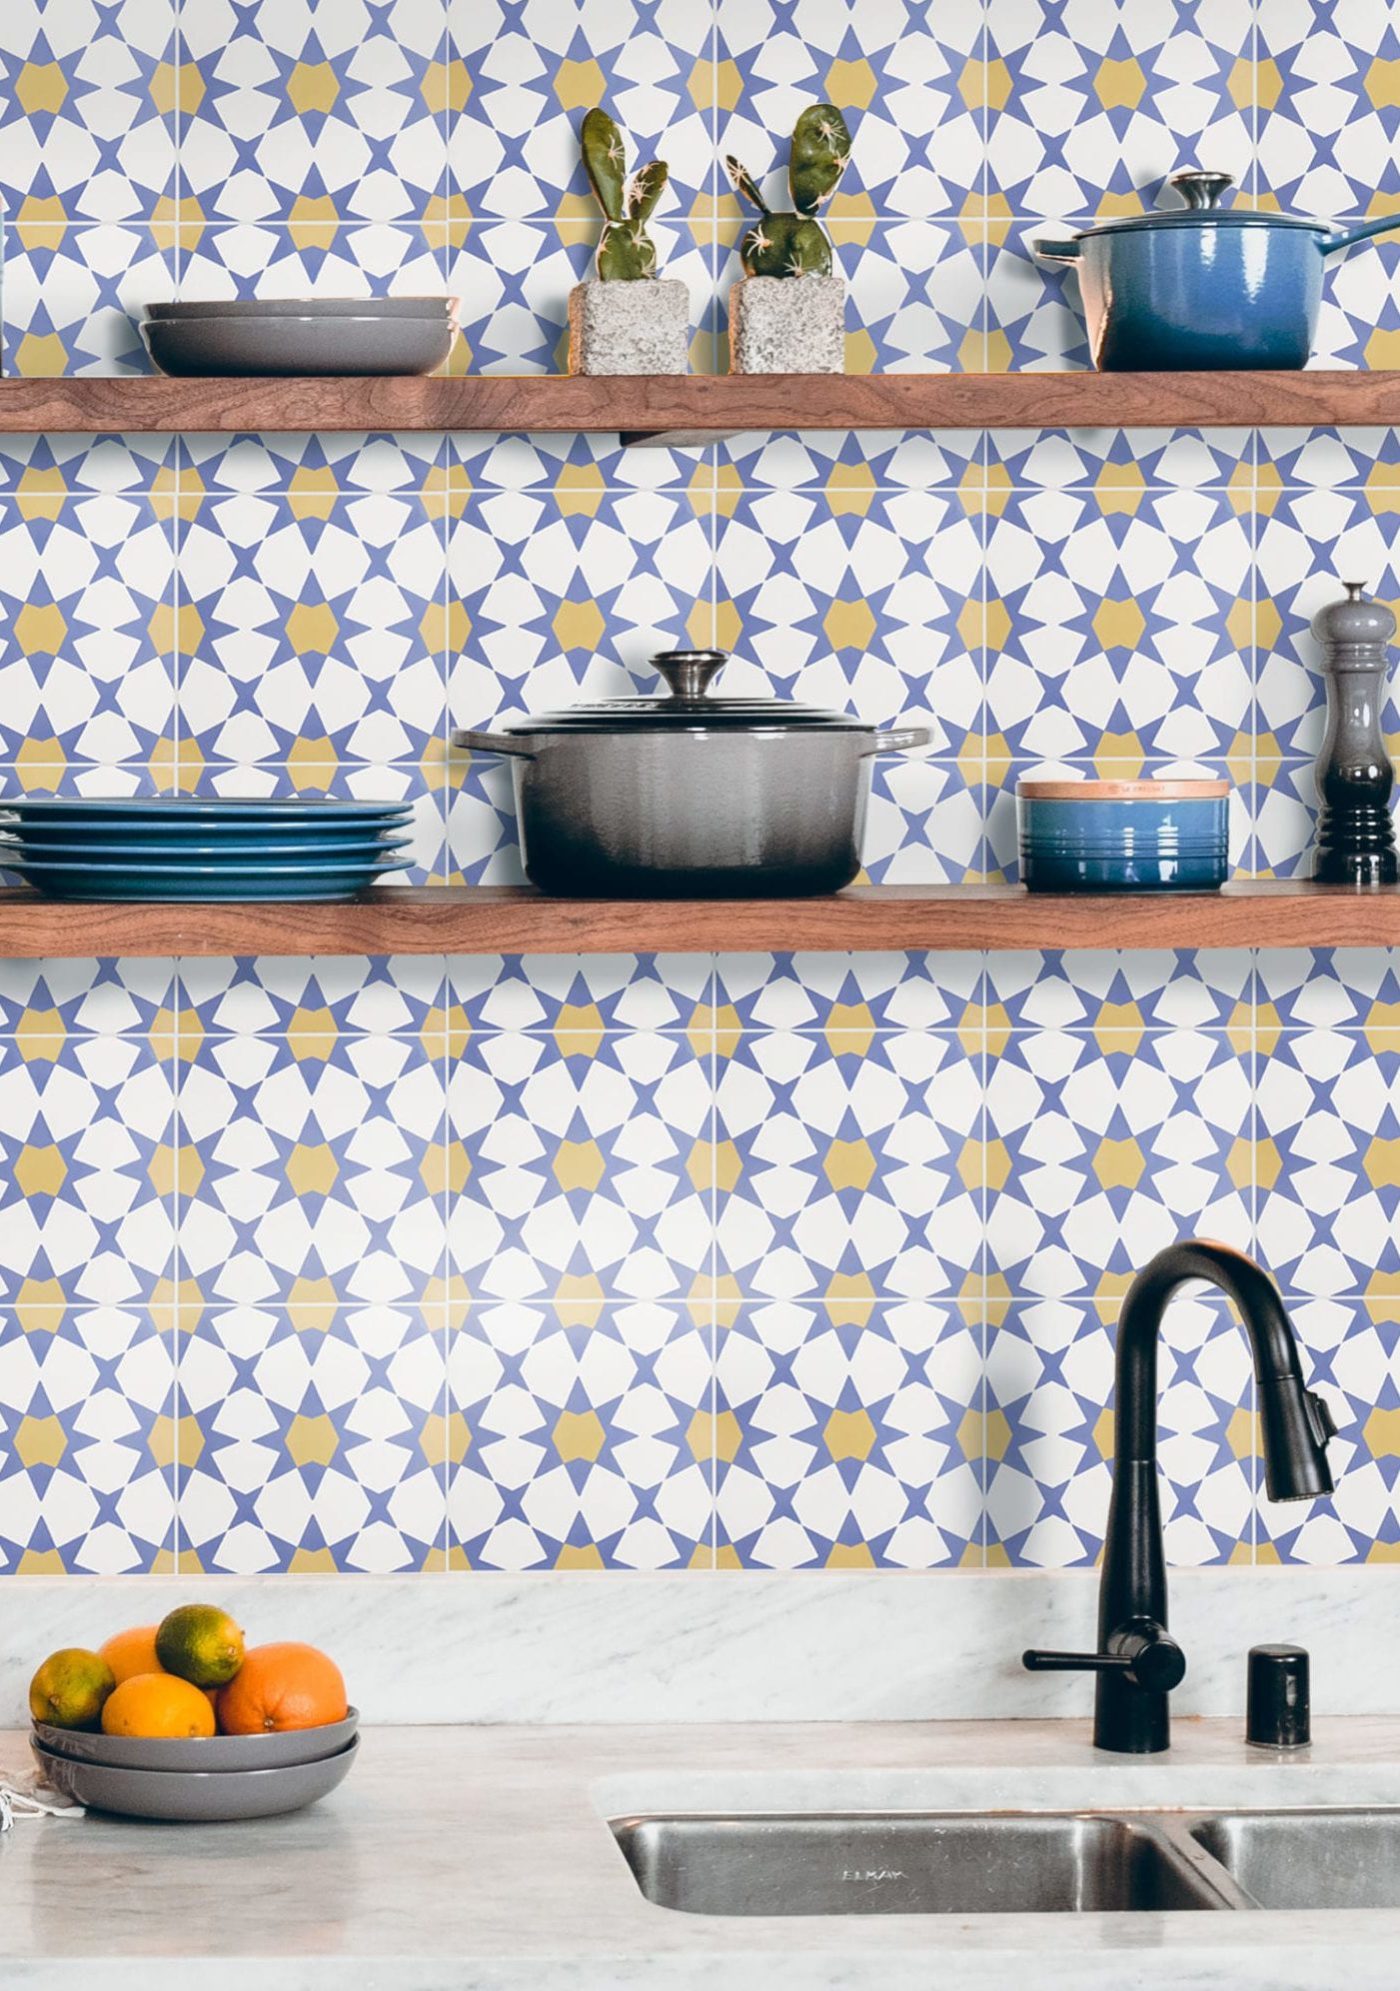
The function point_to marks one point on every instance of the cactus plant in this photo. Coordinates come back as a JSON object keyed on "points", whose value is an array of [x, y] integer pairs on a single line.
{"points": [[796, 244], [626, 253]]}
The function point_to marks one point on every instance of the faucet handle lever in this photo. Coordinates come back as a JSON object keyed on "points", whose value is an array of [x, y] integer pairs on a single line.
{"points": [[1075, 1662], [1142, 1649]]}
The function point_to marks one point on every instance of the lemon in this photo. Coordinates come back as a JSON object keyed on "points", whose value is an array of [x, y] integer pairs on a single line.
{"points": [[201, 1644], [70, 1688]]}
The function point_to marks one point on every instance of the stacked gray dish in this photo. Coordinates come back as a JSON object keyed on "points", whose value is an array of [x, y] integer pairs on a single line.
{"points": [[201, 849], [196, 1780], [301, 335]]}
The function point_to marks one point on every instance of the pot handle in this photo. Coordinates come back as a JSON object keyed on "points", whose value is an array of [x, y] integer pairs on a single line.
{"points": [[1346, 236], [491, 743], [1050, 251], [898, 738]]}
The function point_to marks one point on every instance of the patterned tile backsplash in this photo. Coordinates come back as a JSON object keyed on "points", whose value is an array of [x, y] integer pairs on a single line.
{"points": [[700, 1262]]}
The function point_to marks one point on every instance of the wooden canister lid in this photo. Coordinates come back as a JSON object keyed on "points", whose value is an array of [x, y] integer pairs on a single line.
{"points": [[1122, 791]]}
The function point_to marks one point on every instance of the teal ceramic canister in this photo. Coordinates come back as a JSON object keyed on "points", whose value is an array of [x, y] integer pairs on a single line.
{"points": [[1124, 836]]}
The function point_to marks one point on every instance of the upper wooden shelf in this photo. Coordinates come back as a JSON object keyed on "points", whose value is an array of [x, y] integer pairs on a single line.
{"points": [[696, 406], [516, 920]]}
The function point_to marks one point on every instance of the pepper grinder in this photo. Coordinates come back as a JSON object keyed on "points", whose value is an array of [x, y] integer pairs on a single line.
{"points": [[1355, 840]]}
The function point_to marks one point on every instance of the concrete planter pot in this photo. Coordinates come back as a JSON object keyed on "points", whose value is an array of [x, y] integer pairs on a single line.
{"points": [[787, 325], [641, 327]]}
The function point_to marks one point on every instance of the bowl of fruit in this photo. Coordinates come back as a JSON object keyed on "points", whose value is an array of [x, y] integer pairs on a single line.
{"points": [[184, 1721]]}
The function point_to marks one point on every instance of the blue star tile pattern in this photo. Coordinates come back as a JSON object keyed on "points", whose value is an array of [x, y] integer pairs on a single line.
{"points": [[291, 114], [1092, 107], [581, 1437], [309, 1445], [87, 625], [585, 1163], [850, 1437], [86, 1409], [849, 1163], [87, 109], [1103, 1148], [1115, 619], [87, 1140], [313, 620], [1329, 1135], [315, 1170], [1329, 110]]}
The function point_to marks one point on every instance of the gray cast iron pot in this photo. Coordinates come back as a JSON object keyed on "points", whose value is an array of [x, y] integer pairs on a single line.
{"points": [[690, 796], [1203, 287]]}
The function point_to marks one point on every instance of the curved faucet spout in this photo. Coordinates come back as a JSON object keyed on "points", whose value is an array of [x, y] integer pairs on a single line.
{"points": [[1137, 1663], [1295, 1424]]}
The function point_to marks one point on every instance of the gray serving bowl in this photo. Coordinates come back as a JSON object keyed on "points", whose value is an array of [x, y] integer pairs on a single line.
{"points": [[205, 1754], [261, 345], [190, 1797], [306, 307]]}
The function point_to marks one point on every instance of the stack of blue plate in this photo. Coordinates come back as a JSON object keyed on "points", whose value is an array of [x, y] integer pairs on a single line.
{"points": [[179, 848]]}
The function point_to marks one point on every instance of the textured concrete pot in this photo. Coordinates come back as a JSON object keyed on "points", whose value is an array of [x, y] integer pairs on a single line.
{"points": [[641, 327], [787, 325]]}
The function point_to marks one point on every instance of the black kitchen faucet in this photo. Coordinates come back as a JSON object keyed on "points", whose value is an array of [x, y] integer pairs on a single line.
{"points": [[1138, 1662]]}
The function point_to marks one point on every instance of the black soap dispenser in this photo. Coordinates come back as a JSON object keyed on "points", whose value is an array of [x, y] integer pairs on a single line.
{"points": [[1355, 841]]}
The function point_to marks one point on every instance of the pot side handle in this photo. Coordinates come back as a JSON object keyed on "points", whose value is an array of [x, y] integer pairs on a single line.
{"points": [[898, 739], [1051, 251], [491, 743], [1344, 237]]}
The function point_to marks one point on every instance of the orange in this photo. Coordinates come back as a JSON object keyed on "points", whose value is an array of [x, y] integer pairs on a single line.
{"points": [[131, 1652], [282, 1686], [157, 1704]]}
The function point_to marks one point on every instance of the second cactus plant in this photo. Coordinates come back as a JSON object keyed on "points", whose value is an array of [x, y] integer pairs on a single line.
{"points": [[795, 244], [626, 252]]}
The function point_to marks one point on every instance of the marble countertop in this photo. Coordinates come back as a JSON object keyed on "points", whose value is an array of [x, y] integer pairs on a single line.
{"points": [[481, 1858]]}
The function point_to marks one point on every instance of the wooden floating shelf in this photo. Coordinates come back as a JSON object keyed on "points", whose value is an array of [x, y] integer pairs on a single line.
{"points": [[516, 920], [697, 406]]}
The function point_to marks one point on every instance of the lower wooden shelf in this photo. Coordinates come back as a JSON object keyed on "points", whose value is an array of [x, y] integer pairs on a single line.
{"points": [[517, 920]]}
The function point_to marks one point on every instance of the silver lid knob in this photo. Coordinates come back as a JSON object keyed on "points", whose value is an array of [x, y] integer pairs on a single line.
{"points": [[1201, 190], [690, 673]]}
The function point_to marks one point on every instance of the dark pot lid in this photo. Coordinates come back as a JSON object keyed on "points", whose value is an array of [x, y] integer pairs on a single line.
{"points": [[688, 707], [1202, 192]]}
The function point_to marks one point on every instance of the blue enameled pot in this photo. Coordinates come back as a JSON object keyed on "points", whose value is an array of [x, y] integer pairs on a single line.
{"points": [[1203, 287]]}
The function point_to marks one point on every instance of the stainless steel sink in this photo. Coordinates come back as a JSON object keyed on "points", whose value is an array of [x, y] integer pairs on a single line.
{"points": [[1308, 1859], [956, 1863]]}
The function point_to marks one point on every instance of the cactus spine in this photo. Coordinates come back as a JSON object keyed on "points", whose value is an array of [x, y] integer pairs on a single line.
{"points": [[626, 252], [796, 244]]}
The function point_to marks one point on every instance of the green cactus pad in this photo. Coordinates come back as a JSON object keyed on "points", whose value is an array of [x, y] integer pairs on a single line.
{"points": [[795, 245], [626, 253], [786, 245], [821, 146]]}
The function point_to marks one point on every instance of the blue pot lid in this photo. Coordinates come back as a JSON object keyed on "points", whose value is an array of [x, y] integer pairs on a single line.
{"points": [[1202, 193]]}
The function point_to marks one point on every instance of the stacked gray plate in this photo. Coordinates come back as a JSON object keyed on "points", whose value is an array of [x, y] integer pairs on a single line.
{"points": [[197, 1780], [301, 335]]}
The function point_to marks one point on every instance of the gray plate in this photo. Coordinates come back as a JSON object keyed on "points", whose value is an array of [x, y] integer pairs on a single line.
{"points": [[307, 307], [265, 345], [207, 1755], [194, 1798]]}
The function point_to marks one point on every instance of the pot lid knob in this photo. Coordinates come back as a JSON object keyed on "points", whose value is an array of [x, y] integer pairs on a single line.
{"points": [[1355, 627], [689, 673], [1201, 190]]}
